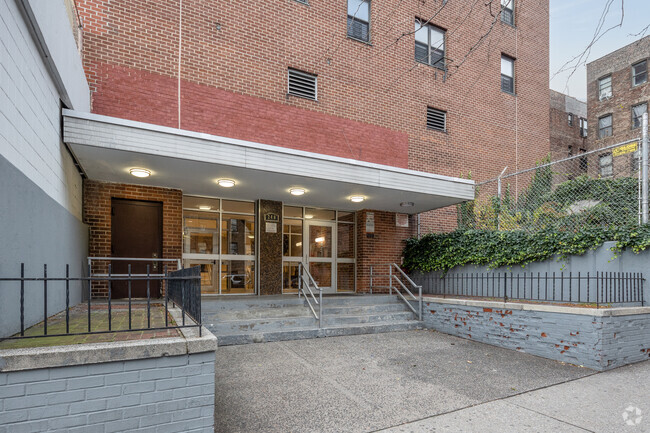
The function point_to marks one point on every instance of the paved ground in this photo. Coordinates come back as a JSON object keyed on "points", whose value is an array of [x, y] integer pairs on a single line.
{"points": [[417, 381]]}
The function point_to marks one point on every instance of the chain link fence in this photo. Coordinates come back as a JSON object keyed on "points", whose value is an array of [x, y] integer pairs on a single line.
{"points": [[593, 189]]}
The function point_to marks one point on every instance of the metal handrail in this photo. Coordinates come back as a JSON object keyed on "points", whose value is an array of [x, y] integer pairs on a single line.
{"points": [[301, 288], [391, 287]]}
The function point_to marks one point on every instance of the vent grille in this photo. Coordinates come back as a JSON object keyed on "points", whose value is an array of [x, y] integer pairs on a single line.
{"points": [[436, 119], [302, 84]]}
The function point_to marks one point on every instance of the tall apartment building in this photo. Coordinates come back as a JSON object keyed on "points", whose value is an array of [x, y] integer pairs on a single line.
{"points": [[568, 126], [250, 137], [618, 95]]}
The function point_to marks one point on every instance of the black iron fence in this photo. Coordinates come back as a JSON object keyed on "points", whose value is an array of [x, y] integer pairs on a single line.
{"points": [[182, 288], [601, 288]]}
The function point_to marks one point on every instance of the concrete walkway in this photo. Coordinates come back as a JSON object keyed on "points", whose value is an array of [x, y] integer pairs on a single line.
{"points": [[418, 381]]}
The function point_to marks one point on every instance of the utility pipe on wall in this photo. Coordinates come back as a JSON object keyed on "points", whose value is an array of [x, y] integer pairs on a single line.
{"points": [[644, 168]]}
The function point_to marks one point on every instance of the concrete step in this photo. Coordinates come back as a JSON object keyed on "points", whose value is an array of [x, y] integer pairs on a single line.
{"points": [[258, 325], [364, 309], [314, 332], [258, 312], [341, 319]]}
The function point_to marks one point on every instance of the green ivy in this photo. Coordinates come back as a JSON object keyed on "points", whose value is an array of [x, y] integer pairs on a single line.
{"points": [[443, 251]]}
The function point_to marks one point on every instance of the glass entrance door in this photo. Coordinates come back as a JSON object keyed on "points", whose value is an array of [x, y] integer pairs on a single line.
{"points": [[321, 254]]}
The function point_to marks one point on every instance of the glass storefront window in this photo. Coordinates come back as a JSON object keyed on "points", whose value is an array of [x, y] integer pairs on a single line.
{"points": [[320, 214], [292, 212], [346, 216], [292, 238], [238, 206], [237, 276], [201, 203], [345, 277], [237, 234], [290, 277], [200, 235], [345, 241]]}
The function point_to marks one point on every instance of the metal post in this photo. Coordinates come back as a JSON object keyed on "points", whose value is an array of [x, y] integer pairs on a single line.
{"points": [[644, 169], [371, 279], [299, 279], [420, 307], [45, 299], [390, 279], [320, 306], [22, 299], [499, 197]]}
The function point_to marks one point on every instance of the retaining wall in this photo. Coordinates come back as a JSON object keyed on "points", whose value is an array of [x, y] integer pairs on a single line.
{"points": [[159, 385], [602, 259], [599, 339]]}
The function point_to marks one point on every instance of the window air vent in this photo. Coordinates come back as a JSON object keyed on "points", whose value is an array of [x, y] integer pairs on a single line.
{"points": [[436, 119], [302, 84]]}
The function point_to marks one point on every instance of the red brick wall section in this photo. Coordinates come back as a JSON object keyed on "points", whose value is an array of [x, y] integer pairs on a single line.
{"points": [[372, 98], [383, 247], [97, 214]]}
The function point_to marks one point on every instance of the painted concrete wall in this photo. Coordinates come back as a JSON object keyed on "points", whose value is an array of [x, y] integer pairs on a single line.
{"points": [[35, 230], [30, 120], [603, 259], [593, 339], [165, 394], [41, 191]]}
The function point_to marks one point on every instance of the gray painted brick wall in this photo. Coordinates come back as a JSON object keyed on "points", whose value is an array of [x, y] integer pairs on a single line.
{"points": [[596, 342], [168, 394]]}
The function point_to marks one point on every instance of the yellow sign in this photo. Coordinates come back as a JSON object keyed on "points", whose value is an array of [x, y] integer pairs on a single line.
{"points": [[627, 148]]}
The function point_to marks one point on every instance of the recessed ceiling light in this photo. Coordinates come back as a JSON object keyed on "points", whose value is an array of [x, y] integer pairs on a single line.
{"points": [[320, 239], [226, 183], [357, 198], [140, 172], [407, 204], [204, 207], [297, 191], [308, 216]]}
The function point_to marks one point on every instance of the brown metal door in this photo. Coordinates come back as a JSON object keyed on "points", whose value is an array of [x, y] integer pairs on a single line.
{"points": [[136, 231]]}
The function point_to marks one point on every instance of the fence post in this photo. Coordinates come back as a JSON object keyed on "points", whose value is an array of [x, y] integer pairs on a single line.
{"points": [[644, 169], [499, 197]]}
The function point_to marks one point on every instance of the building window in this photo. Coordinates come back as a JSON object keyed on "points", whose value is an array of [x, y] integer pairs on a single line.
{"points": [[637, 114], [429, 44], [639, 73], [302, 84], [570, 119], [507, 74], [605, 126], [508, 11], [583, 127], [605, 88], [606, 165], [436, 119], [359, 19]]}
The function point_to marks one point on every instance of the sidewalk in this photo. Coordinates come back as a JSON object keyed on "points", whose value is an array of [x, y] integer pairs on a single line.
{"points": [[613, 401], [418, 381]]}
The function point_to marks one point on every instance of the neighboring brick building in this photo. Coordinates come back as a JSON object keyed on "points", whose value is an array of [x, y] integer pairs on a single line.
{"points": [[568, 126], [344, 79], [617, 95]]}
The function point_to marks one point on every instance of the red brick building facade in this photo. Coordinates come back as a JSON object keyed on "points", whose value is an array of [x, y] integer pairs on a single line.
{"points": [[617, 94], [221, 68]]}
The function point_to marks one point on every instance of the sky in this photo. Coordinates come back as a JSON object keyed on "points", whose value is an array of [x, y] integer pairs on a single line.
{"points": [[573, 25]]}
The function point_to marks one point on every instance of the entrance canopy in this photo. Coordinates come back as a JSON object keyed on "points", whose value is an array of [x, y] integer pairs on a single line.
{"points": [[108, 148]]}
